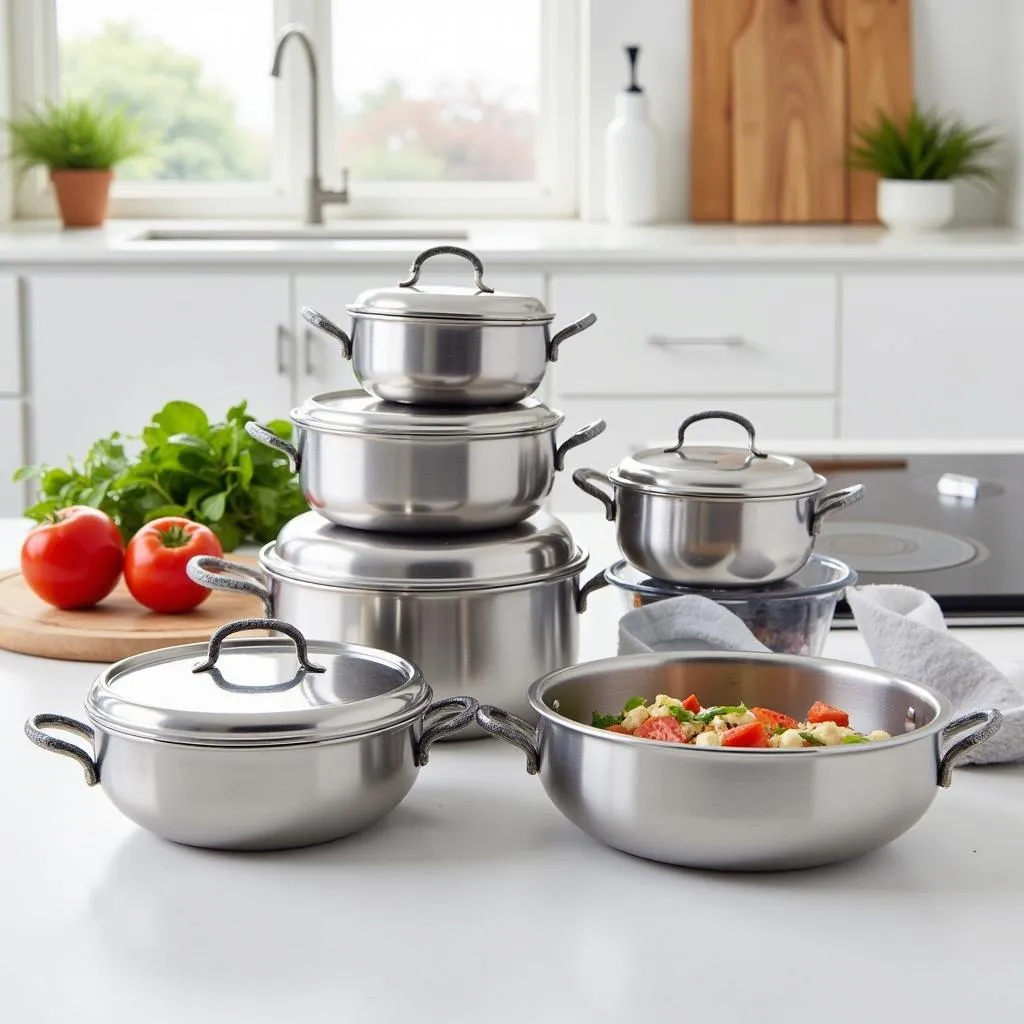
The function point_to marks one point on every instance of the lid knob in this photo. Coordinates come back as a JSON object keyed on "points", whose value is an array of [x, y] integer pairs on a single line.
{"points": [[240, 625], [720, 414], [447, 250]]}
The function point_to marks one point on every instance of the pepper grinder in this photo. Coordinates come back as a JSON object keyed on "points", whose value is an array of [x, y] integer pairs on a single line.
{"points": [[631, 156]]}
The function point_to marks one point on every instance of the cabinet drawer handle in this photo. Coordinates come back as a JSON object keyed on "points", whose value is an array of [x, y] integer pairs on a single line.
{"points": [[722, 341], [283, 344], [307, 352]]}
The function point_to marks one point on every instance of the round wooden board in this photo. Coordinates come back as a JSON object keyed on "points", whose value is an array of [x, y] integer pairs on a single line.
{"points": [[117, 627]]}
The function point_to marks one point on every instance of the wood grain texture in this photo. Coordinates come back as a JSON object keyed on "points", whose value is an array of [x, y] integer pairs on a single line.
{"points": [[789, 117], [114, 629], [880, 77], [714, 26]]}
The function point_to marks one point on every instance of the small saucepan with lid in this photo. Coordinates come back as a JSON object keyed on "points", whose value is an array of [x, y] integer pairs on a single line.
{"points": [[435, 345], [709, 516], [256, 744]]}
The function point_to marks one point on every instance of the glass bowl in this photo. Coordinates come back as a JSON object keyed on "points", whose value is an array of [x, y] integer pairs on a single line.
{"points": [[790, 617]]}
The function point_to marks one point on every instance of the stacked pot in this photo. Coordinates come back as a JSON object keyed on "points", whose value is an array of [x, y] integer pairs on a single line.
{"points": [[426, 536]]}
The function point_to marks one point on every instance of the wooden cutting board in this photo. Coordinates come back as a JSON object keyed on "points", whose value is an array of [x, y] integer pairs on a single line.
{"points": [[789, 117], [115, 628]]}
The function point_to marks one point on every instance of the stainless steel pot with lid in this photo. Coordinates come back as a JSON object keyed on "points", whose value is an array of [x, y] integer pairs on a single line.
{"points": [[374, 465], [715, 516], [257, 743], [438, 345]]}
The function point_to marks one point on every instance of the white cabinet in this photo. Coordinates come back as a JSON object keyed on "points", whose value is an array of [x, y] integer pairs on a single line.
{"points": [[10, 336], [936, 354], [109, 349], [12, 456]]}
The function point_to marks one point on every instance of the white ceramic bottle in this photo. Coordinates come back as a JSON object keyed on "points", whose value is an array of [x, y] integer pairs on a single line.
{"points": [[631, 156]]}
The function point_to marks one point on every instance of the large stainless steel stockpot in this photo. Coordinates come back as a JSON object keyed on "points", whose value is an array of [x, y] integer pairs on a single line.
{"points": [[238, 746], [708, 516], [431, 345], [740, 809], [483, 614], [375, 465]]}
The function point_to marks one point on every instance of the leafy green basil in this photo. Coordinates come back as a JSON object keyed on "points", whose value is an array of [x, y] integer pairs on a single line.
{"points": [[812, 739], [680, 714], [599, 721], [721, 709], [633, 702], [856, 738]]}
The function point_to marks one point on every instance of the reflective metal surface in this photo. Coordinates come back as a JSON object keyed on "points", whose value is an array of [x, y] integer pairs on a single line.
{"points": [[743, 810]]}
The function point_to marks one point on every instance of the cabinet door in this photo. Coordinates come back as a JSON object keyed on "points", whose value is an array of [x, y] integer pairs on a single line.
{"points": [[320, 363], [12, 455], [10, 336], [932, 355], [108, 350]]}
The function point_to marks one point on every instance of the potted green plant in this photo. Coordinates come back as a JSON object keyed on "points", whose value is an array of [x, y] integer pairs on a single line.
{"points": [[80, 143], [917, 159]]}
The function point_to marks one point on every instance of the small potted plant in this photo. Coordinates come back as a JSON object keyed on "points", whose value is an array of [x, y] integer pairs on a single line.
{"points": [[918, 159], [80, 143]]}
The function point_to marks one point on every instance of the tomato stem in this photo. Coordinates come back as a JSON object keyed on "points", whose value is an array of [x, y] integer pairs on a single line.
{"points": [[175, 536]]}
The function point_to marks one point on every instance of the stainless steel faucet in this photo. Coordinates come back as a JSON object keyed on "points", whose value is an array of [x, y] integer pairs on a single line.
{"points": [[317, 197]]}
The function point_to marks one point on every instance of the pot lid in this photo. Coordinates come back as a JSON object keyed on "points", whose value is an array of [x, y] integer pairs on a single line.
{"points": [[713, 471], [310, 549], [257, 692], [356, 412], [411, 300]]}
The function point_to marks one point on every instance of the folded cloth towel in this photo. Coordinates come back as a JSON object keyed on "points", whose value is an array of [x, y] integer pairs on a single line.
{"points": [[906, 634], [688, 623]]}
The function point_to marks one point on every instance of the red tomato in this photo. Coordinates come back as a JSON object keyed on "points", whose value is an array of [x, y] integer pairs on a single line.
{"points": [[753, 734], [826, 713], [616, 728], [73, 559], [665, 727], [691, 703], [770, 718], [154, 564]]}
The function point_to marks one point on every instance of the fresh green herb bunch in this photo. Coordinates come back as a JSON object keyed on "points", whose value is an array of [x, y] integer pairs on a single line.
{"points": [[925, 146], [212, 473], [73, 135]]}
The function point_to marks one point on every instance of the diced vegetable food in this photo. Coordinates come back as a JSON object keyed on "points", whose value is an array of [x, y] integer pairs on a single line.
{"points": [[688, 721]]}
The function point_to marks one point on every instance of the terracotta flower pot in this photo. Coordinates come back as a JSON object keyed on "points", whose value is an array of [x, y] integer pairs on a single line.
{"points": [[82, 196]]}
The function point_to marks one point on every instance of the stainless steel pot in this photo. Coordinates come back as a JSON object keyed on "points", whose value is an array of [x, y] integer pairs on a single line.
{"points": [[374, 465], [428, 345], [483, 613], [740, 809], [709, 516], [242, 751]]}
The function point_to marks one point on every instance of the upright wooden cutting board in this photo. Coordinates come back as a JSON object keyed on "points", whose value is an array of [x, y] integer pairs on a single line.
{"points": [[789, 117]]}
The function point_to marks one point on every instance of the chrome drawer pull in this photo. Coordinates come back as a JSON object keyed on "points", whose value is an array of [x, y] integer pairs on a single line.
{"points": [[666, 341]]}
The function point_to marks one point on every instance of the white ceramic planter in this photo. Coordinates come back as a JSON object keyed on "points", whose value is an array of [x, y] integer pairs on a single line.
{"points": [[915, 205]]}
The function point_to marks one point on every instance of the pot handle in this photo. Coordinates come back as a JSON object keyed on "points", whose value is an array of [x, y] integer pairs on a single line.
{"points": [[989, 722], [311, 316], [240, 625], [213, 573], [582, 436], [583, 479], [567, 332], [258, 432], [720, 414], [512, 729], [596, 582], [447, 250], [833, 503], [454, 714], [34, 731]]}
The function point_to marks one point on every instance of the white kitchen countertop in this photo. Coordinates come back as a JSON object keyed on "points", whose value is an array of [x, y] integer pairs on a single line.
{"points": [[475, 900], [40, 244]]}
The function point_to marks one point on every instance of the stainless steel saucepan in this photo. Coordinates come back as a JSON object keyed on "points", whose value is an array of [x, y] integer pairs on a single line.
{"points": [[375, 465], [740, 809], [708, 516], [256, 744], [430, 345]]}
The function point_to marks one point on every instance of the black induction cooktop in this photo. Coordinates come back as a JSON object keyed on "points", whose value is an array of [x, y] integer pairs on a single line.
{"points": [[951, 525]]}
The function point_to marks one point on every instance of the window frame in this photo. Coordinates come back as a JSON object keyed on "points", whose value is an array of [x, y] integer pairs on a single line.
{"points": [[35, 67]]}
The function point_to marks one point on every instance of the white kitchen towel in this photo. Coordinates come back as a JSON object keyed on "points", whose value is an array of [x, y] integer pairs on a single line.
{"points": [[687, 623], [906, 634]]}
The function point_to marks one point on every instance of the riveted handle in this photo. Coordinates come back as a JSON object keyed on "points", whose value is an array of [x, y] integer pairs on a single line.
{"points": [[567, 332], [258, 432], [512, 729], [720, 414], [988, 721], [596, 582], [311, 316], [240, 625], [585, 479], [220, 574], [833, 503], [449, 716], [582, 436], [34, 730], [447, 250]]}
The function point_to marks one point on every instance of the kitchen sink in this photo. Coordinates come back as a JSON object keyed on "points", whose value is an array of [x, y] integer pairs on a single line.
{"points": [[298, 234]]}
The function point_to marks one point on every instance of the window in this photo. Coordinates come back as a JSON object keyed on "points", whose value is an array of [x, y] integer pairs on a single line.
{"points": [[435, 109]]}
